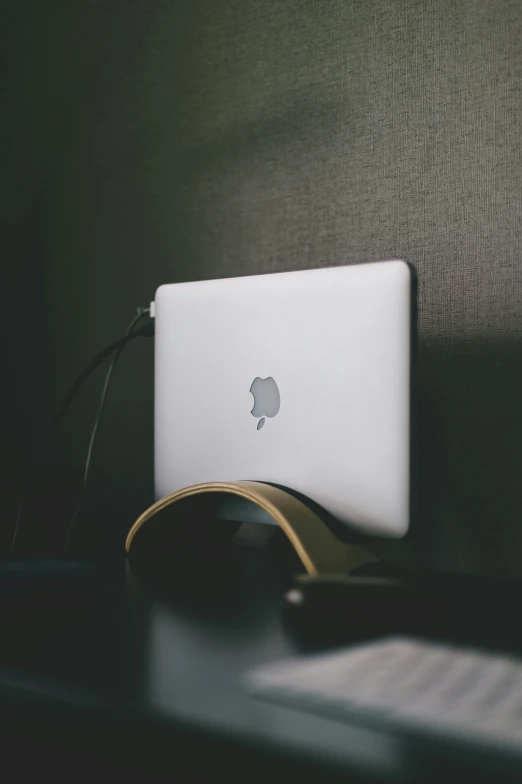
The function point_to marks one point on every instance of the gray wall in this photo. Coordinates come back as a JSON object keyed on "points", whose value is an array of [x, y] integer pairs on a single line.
{"points": [[154, 141]]}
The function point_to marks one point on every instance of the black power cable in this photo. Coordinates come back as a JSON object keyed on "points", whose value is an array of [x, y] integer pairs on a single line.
{"points": [[146, 331], [141, 313]]}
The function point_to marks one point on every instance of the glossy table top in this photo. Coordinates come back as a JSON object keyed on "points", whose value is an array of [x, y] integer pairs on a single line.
{"points": [[111, 643]]}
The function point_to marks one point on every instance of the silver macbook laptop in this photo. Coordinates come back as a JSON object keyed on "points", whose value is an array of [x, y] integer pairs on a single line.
{"points": [[301, 379]]}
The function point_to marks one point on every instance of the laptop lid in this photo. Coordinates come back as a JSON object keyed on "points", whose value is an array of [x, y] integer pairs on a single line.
{"points": [[301, 379]]}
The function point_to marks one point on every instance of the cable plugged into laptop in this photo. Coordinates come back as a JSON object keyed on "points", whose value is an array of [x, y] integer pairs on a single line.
{"points": [[113, 350]]}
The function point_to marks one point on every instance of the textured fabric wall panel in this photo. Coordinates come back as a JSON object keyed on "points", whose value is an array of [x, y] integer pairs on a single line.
{"points": [[236, 137], [328, 132]]}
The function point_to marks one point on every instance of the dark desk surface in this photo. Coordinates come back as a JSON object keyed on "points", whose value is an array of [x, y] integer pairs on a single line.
{"points": [[102, 676]]}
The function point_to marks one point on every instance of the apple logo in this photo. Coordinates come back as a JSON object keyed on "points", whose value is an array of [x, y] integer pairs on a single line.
{"points": [[266, 399]]}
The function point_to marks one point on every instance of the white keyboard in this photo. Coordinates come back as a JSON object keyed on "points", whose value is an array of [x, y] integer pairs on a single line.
{"points": [[424, 688]]}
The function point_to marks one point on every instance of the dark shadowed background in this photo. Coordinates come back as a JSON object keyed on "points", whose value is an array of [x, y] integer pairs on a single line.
{"points": [[152, 141]]}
